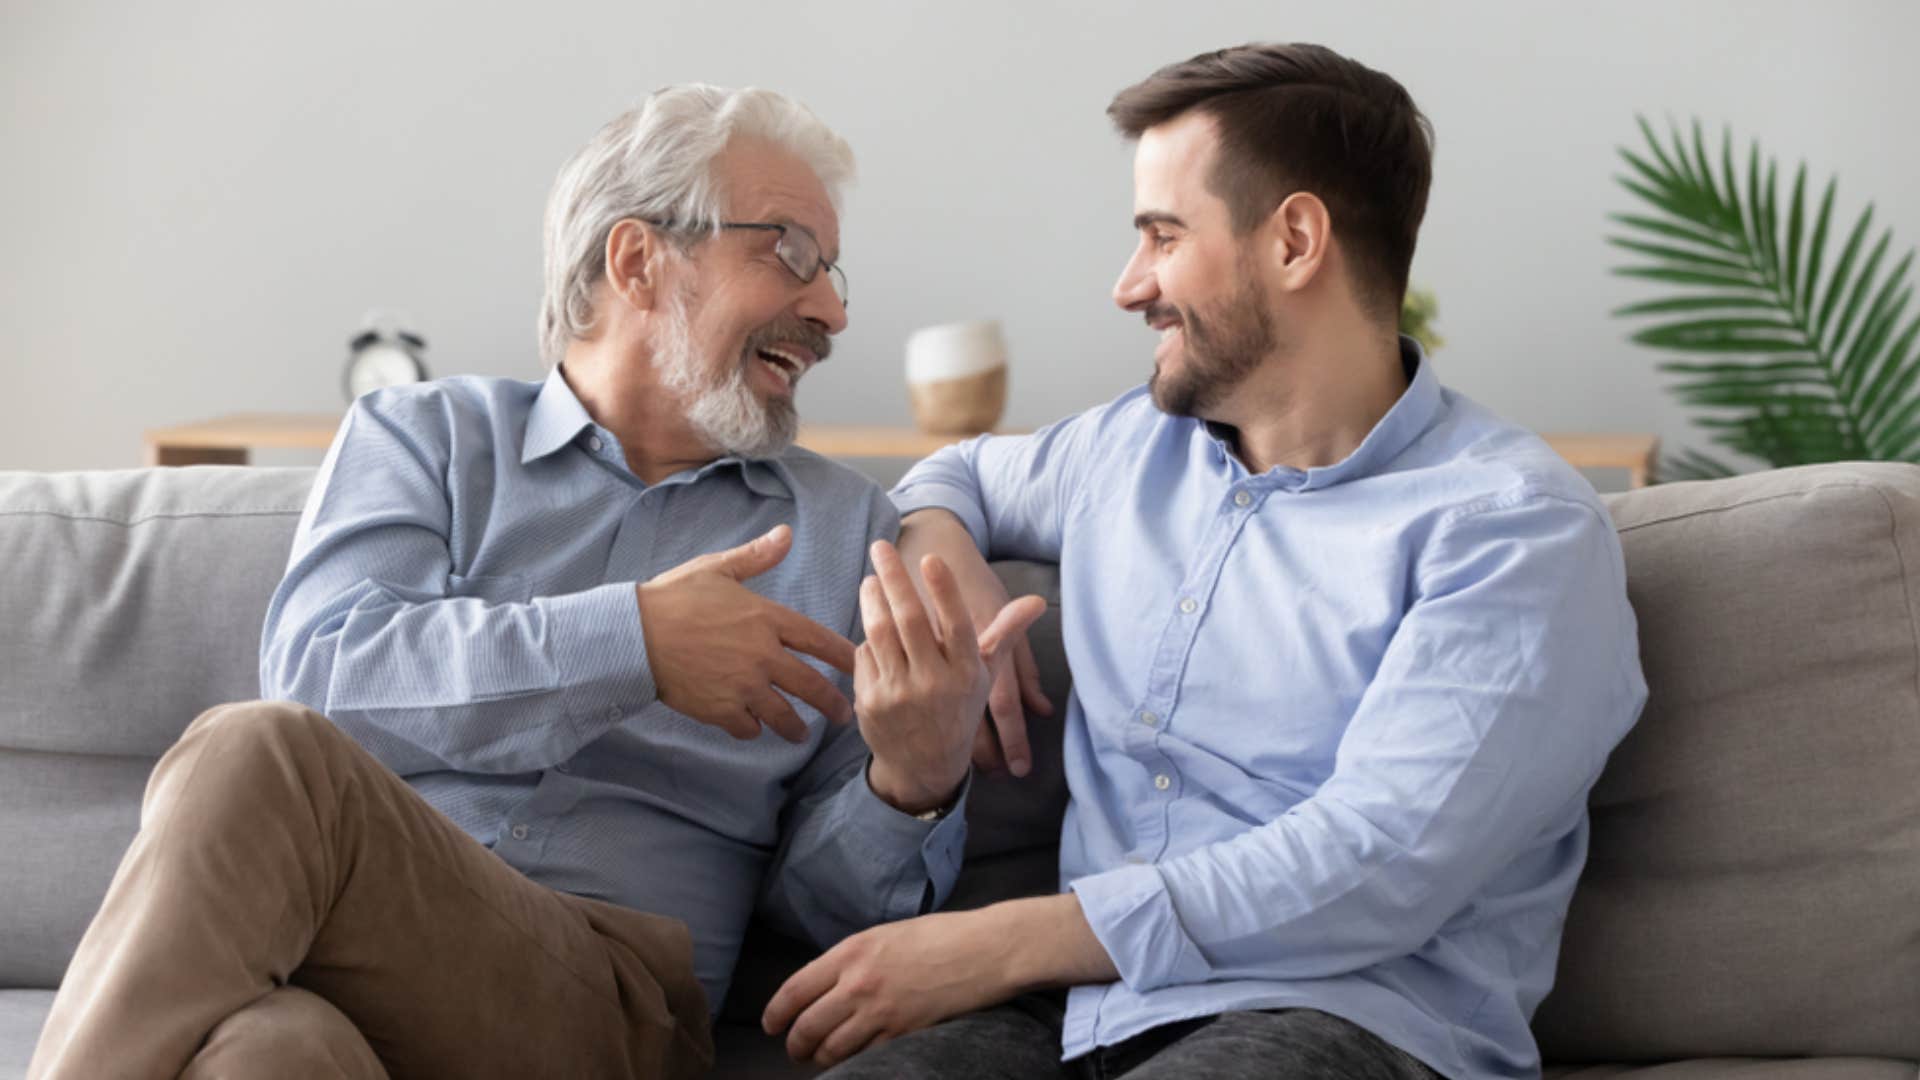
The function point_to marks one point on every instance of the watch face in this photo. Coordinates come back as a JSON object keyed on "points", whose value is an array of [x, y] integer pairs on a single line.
{"points": [[379, 365]]}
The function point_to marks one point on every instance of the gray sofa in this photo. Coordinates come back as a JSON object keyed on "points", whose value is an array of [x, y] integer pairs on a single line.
{"points": [[1751, 906]]}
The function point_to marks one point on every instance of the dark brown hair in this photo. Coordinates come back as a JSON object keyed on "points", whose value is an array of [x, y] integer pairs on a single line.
{"points": [[1304, 118]]}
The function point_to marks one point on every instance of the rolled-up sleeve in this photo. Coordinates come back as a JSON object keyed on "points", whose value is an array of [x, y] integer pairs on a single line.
{"points": [[1510, 678]]}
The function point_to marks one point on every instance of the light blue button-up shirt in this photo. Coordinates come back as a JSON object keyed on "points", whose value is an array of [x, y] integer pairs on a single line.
{"points": [[460, 599], [1331, 731]]}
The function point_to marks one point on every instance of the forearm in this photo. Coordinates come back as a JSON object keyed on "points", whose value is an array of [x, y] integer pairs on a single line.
{"points": [[1048, 943], [462, 684], [936, 531]]}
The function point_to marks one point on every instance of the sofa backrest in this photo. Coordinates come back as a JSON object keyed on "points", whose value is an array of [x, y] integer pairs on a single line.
{"points": [[130, 602], [1753, 884]]}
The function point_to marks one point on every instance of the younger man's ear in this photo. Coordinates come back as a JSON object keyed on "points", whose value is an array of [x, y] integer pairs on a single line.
{"points": [[1300, 231]]}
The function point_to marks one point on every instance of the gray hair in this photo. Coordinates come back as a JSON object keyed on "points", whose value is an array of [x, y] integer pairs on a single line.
{"points": [[656, 162]]}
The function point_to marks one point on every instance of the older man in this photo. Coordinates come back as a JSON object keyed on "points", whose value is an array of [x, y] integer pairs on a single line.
{"points": [[1348, 650], [571, 614]]}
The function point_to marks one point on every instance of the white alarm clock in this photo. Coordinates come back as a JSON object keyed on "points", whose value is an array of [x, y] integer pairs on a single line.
{"points": [[382, 357]]}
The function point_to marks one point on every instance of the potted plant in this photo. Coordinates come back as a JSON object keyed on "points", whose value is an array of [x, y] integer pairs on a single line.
{"points": [[1789, 357]]}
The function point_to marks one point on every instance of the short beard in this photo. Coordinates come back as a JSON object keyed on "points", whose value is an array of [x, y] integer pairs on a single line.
{"points": [[1221, 348], [723, 410]]}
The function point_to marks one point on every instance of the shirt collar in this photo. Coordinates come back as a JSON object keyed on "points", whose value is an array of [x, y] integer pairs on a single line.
{"points": [[1410, 416], [558, 418]]}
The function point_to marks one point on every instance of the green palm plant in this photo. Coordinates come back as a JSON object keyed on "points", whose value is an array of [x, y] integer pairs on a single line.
{"points": [[1792, 362]]}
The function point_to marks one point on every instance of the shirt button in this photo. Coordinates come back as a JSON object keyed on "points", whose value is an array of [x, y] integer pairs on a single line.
{"points": [[562, 768], [613, 713], [518, 832], [1242, 499], [1188, 606], [1162, 782], [594, 444], [1149, 719]]}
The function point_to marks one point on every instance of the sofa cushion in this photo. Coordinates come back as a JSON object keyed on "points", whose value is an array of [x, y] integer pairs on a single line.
{"points": [[22, 1014], [1753, 886], [68, 818], [1006, 814], [135, 599]]}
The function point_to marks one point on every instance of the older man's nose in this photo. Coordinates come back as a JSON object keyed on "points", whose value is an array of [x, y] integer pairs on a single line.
{"points": [[821, 306]]}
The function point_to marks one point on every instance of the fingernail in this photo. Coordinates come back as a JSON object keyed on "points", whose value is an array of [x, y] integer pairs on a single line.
{"points": [[1018, 766]]}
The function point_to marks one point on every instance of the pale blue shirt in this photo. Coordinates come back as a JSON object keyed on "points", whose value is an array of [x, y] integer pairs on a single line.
{"points": [[460, 599], [1331, 731]]}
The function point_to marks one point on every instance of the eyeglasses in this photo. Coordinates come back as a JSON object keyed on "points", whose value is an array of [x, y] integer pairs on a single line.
{"points": [[796, 249]]}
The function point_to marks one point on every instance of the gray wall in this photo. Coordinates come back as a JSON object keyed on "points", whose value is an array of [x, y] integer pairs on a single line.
{"points": [[199, 201]]}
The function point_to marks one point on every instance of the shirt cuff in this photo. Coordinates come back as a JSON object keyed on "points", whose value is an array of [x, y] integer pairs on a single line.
{"points": [[878, 826], [935, 494], [596, 644], [1132, 915]]}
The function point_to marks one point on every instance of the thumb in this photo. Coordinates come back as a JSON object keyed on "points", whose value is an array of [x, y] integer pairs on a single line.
{"points": [[756, 556], [1009, 625]]}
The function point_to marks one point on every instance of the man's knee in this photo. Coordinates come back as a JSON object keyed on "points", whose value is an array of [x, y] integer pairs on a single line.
{"points": [[259, 721], [289, 1032], [247, 749], [245, 733]]}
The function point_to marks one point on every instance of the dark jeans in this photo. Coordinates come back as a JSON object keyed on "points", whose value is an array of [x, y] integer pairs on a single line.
{"points": [[1021, 1040]]}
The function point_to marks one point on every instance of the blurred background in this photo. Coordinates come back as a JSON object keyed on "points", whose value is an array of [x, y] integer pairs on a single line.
{"points": [[200, 201]]}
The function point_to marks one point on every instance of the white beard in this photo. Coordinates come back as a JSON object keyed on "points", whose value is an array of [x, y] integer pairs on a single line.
{"points": [[723, 410]]}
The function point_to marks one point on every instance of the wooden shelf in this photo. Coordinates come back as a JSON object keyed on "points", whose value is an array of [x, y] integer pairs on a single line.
{"points": [[1634, 453], [881, 442], [227, 440]]}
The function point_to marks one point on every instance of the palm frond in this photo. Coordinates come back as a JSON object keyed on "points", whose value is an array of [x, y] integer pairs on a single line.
{"points": [[1796, 362], [1693, 465]]}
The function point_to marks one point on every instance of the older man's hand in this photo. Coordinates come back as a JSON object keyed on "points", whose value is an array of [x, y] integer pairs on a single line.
{"points": [[718, 650], [921, 683]]}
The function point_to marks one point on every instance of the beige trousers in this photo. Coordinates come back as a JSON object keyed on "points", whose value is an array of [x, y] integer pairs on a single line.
{"points": [[291, 908]]}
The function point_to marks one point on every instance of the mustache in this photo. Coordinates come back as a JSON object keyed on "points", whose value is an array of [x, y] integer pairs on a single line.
{"points": [[791, 330], [1160, 313]]}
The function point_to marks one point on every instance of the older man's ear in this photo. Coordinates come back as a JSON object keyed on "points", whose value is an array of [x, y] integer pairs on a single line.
{"points": [[637, 254]]}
